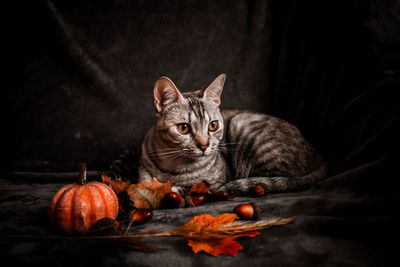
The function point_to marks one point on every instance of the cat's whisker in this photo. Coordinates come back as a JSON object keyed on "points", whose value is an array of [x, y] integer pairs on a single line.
{"points": [[165, 157], [167, 153], [162, 150], [164, 153], [178, 156]]}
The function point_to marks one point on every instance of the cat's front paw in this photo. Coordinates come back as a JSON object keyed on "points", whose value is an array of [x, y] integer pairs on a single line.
{"points": [[233, 188], [224, 189]]}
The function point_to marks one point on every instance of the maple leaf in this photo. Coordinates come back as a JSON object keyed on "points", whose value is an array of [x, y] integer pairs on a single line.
{"points": [[118, 185], [215, 247], [199, 232], [148, 195]]}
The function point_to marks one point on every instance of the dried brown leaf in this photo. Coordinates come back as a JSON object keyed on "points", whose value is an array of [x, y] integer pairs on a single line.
{"points": [[148, 195], [117, 184]]}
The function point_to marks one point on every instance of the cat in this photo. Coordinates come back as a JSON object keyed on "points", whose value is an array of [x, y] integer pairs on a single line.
{"points": [[233, 150]]}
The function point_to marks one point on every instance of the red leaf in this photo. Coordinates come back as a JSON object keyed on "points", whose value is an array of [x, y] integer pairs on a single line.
{"points": [[213, 246]]}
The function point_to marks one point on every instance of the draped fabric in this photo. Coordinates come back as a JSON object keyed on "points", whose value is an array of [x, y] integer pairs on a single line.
{"points": [[78, 83]]}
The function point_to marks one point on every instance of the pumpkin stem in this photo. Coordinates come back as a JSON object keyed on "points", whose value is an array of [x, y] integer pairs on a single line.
{"points": [[82, 175]]}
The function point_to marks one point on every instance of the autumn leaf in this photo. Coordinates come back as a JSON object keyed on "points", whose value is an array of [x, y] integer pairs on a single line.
{"points": [[199, 232], [148, 195], [206, 221], [201, 188], [118, 185], [223, 246], [144, 195]]}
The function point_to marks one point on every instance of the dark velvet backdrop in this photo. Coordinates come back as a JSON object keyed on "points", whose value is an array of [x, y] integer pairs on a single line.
{"points": [[79, 74], [78, 80]]}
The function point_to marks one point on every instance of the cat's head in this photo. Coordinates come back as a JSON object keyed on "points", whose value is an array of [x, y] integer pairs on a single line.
{"points": [[191, 121]]}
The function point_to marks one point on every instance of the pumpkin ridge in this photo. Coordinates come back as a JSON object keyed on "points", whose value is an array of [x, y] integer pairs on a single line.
{"points": [[88, 192], [61, 200], [110, 211], [95, 194], [78, 191], [56, 200], [115, 198], [116, 203], [99, 188]]}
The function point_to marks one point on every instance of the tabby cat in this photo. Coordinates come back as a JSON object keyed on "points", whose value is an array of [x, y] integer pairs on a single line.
{"points": [[233, 150]]}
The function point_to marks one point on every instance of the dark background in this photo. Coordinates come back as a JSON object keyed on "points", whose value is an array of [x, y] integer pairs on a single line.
{"points": [[79, 75], [77, 85]]}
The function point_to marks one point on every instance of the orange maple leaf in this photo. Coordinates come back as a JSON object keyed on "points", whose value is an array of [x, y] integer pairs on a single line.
{"points": [[116, 184], [214, 246], [148, 195]]}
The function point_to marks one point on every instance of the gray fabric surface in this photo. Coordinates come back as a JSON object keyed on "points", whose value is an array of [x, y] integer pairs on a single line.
{"points": [[333, 226]]}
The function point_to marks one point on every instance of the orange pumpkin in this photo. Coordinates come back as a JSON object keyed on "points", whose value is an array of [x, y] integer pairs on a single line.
{"points": [[77, 207]]}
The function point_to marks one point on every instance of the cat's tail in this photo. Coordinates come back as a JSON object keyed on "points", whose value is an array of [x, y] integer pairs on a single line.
{"points": [[275, 184]]}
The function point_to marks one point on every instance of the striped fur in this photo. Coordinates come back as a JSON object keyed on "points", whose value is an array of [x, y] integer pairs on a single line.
{"points": [[247, 149]]}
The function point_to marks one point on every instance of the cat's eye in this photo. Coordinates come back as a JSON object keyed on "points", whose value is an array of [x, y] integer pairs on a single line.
{"points": [[183, 128], [213, 126]]}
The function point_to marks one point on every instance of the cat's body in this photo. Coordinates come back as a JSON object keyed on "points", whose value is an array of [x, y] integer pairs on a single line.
{"points": [[233, 150]]}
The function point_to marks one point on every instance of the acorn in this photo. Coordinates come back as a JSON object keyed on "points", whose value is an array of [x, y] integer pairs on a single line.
{"points": [[258, 191], [248, 211], [198, 200], [140, 215], [173, 200], [195, 200]]}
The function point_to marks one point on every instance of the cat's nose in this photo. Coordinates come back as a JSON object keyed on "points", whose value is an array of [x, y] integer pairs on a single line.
{"points": [[202, 142], [202, 147]]}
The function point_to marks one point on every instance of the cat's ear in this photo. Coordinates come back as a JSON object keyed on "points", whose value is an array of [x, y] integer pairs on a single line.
{"points": [[214, 90], [165, 92]]}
